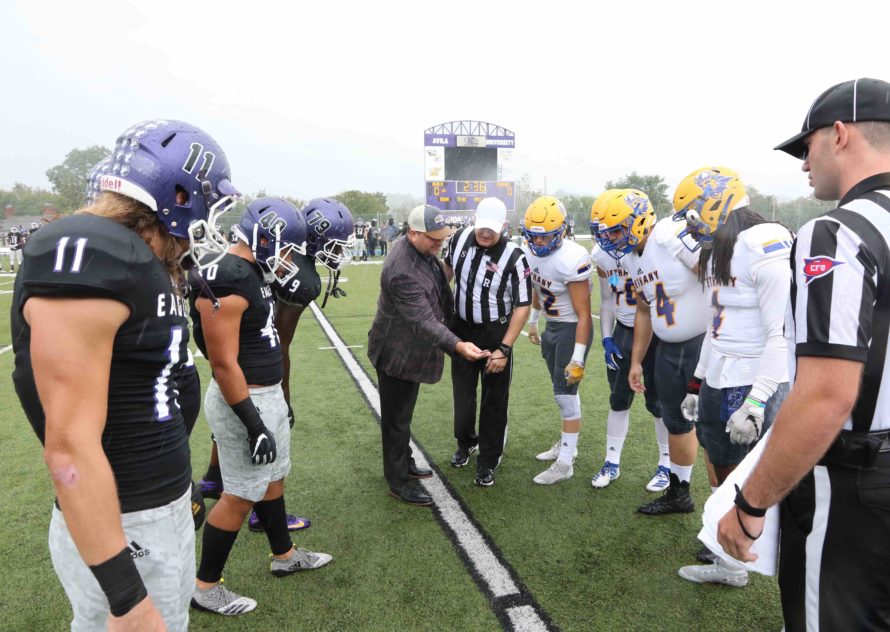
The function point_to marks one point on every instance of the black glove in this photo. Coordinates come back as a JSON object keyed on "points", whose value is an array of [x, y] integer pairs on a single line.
{"points": [[260, 439]]}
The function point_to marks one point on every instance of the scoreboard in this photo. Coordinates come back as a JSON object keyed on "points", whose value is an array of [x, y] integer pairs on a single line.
{"points": [[466, 161], [462, 195]]}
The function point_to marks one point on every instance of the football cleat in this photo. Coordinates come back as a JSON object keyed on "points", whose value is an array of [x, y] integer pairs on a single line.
{"points": [[300, 560], [716, 573], [553, 453], [660, 480], [675, 500], [221, 600], [608, 473], [559, 471], [294, 523], [210, 489]]}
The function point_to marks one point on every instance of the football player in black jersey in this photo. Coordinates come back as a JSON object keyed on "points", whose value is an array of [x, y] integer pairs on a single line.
{"points": [[98, 328], [15, 241], [330, 238], [233, 316]]}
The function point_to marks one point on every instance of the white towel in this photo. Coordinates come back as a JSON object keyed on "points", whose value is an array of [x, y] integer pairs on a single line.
{"points": [[767, 545]]}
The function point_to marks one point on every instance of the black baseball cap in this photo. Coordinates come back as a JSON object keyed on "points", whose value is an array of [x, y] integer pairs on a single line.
{"points": [[849, 102]]}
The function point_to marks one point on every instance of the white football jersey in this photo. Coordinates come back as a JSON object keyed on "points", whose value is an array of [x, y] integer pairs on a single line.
{"points": [[623, 294], [741, 308], [550, 275], [662, 275]]}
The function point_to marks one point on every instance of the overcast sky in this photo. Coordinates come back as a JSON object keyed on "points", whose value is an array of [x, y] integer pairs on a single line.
{"points": [[310, 99]]}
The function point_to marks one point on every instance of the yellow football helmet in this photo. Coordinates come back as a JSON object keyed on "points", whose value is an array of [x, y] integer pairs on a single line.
{"points": [[545, 217], [625, 218], [705, 198]]}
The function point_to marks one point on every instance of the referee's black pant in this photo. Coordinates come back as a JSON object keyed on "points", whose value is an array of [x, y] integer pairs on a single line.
{"points": [[397, 400], [834, 564], [465, 377]]}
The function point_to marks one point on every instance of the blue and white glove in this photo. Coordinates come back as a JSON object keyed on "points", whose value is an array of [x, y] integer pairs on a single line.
{"points": [[613, 353], [746, 424]]}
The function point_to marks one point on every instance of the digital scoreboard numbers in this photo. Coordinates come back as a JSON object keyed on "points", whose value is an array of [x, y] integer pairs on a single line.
{"points": [[467, 161], [465, 195]]}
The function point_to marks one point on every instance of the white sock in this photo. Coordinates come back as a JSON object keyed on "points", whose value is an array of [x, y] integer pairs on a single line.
{"points": [[683, 472], [567, 447], [661, 436], [617, 425]]}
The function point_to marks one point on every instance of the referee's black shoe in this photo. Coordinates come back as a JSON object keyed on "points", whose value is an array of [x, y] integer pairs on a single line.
{"points": [[462, 455], [675, 500]]}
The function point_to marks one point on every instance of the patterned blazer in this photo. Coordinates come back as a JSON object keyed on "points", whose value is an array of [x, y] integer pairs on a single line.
{"points": [[410, 332]]}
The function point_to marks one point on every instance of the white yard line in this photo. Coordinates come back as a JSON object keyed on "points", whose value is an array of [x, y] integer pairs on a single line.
{"points": [[486, 562]]}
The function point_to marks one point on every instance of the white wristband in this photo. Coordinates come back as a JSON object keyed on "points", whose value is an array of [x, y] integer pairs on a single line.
{"points": [[578, 355], [534, 317]]}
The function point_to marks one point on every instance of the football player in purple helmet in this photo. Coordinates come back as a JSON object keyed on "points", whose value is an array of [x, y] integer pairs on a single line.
{"points": [[244, 404], [99, 327]]}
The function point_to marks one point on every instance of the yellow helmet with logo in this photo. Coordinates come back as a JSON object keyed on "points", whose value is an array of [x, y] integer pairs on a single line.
{"points": [[625, 218], [545, 217], [705, 198]]}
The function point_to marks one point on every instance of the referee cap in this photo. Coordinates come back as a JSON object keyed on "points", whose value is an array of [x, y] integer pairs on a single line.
{"points": [[849, 102], [429, 220], [491, 213]]}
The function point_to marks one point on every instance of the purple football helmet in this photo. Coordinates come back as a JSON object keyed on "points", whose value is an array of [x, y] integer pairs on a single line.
{"points": [[99, 169], [330, 233], [274, 229], [180, 173]]}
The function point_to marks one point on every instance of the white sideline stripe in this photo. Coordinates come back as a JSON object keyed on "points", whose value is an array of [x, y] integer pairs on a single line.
{"points": [[345, 347], [469, 539], [525, 619], [6, 348]]}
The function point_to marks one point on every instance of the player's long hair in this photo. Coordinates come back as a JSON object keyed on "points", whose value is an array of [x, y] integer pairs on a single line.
{"points": [[138, 217], [724, 244]]}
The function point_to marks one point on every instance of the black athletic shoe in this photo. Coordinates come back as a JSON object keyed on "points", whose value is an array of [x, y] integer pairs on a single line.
{"points": [[484, 476], [675, 500], [462, 456]]}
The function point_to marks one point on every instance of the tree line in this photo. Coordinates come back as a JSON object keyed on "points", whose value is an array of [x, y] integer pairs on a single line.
{"points": [[68, 180]]}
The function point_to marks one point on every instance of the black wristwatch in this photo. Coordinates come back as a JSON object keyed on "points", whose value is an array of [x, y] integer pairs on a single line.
{"points": [[505, 349]]}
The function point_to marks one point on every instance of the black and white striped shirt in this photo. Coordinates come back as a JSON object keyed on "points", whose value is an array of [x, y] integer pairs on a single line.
{"points": [[840, 293], [488, 282]]}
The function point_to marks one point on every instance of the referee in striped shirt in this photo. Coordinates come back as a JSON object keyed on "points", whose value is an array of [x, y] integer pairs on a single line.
{"points": [[829, 453], [492, 295]]}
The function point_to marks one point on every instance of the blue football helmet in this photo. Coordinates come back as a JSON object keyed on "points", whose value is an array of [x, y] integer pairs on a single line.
{"points": [[180, 173], [330, 234], [99, 169], [274, 229]]}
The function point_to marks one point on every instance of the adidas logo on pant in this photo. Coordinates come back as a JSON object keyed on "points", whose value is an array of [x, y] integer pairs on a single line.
{"points": [[137, 551]]}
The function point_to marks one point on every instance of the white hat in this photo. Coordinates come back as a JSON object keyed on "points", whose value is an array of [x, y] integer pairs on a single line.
{"points": [[491, 214]]}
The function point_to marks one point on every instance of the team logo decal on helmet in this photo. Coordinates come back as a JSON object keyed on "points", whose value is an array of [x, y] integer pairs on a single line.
{"points": [[544, 222], [704, 200]]}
